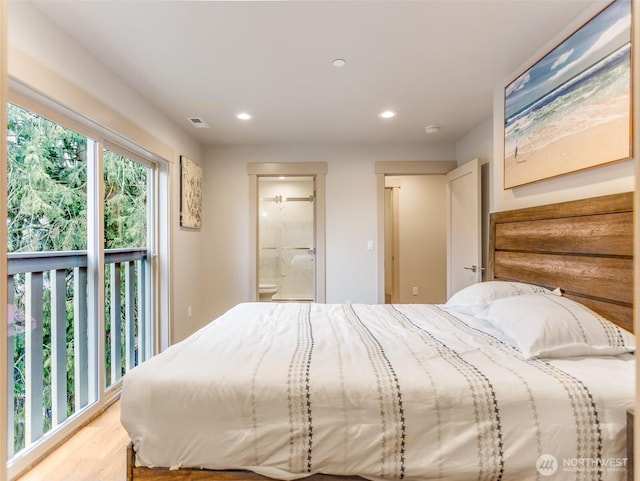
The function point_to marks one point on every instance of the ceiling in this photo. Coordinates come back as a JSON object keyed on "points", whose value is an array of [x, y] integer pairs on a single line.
{"points": [[431, 61]]}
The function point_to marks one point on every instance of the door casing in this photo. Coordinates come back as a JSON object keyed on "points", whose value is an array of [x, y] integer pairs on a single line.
{"points": [[384, 168], [319, 171]]}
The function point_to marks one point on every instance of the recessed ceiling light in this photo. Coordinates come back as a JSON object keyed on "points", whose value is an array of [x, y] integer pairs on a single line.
{"points": [[339, 62], [387, 114], [431, 129], [244, 116]]}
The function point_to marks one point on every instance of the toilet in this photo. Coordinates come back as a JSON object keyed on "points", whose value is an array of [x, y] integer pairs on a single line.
{"points": [[266, 292]]}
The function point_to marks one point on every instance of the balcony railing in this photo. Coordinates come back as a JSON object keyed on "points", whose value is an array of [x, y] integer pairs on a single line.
{"points": [[53, 341]]}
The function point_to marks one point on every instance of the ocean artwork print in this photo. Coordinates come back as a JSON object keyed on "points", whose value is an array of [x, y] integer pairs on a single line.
{"points": [[572, 110]]}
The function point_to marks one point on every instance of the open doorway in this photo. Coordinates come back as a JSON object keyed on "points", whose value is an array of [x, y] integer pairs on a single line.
{"points": [[385, 169], [391, 244], [415, 239], [388, 169]]}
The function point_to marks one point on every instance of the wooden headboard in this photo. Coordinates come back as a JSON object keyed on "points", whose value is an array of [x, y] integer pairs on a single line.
{"points": [[585, 247]]}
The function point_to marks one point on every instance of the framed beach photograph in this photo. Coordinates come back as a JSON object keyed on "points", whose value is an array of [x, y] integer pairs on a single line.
{"points": [[190, 193], [572, 110]]}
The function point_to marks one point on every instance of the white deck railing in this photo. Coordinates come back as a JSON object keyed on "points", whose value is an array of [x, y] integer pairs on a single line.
{"points": [[50, 329]]}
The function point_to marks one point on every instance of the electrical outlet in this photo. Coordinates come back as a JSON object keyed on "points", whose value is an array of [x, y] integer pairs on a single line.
{"points": [[189, 312], [414, 291]]}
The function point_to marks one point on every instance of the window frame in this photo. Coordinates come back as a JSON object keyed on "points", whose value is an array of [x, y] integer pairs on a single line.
{"points": [[98, 139], [152, 242]]}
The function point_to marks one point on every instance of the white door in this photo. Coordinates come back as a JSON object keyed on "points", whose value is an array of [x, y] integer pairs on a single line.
{"points": [[464, 227]]}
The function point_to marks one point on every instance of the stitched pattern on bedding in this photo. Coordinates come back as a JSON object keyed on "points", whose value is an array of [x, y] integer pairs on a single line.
{"points": [[299, 397], [487, 414], [389, 398], [585, 413], [433, 386], [404, 391], [587, 424]]}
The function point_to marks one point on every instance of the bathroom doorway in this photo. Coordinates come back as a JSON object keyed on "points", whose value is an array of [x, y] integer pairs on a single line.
{"points": [[286, 238], [271, 176]]}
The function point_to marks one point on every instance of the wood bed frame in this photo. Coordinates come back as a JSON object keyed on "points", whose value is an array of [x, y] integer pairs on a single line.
{"points": [[585, 247], [135, 473]]}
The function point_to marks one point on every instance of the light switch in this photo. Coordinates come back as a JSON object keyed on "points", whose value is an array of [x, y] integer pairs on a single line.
{"points": [[370, 245]]}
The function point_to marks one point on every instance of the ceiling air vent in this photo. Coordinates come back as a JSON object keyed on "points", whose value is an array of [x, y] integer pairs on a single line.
{"points": [[198, 123]]}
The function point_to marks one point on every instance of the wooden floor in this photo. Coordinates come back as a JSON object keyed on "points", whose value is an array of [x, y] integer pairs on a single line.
{"points": [[95, 453]]}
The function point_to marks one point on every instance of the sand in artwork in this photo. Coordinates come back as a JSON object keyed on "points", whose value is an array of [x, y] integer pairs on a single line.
{"points": [[605, 142], [548, 153]]}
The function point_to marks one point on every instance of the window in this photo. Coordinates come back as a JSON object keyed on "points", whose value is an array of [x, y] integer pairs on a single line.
{"points": [[64, 286], [126, 216]]}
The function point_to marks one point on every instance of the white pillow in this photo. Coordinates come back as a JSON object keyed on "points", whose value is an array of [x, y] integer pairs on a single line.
{"points": [[550, 326], [477, 297]]}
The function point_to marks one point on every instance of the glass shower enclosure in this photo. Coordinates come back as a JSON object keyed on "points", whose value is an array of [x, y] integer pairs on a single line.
{"points": [[286, 238]]}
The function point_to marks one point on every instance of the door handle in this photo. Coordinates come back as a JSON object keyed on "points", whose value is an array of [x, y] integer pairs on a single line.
{"points": [[474, 268]]}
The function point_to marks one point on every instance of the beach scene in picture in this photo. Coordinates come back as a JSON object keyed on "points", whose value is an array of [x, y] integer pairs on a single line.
{"points": [[572, 109]]}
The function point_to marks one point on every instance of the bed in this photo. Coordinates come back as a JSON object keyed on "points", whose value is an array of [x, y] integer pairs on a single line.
{"points": [[456, 391]]}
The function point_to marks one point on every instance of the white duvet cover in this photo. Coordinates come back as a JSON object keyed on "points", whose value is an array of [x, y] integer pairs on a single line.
{"points": [[396, 392]]}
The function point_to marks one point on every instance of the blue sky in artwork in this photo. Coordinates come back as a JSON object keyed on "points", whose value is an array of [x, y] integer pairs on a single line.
{"points": [[604, 34]]}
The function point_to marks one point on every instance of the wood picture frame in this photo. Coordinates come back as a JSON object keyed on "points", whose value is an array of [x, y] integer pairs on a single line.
{"points": [[190, 193], [572, 110]]}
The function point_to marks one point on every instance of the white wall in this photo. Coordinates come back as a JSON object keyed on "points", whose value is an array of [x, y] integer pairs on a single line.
{"points": [[210, 267], [486, 142], [351, 215], [65, 70], [603, 180], [476, 144]]}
